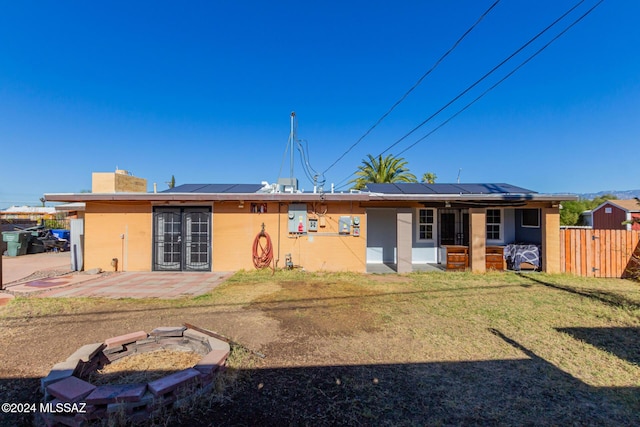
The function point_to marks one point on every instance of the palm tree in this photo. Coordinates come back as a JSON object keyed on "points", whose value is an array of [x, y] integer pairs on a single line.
{"points": [[429, 177], [381, 170]]}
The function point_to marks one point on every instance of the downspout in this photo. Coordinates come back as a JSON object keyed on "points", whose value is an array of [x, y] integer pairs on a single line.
{"points": [[278, 258]]}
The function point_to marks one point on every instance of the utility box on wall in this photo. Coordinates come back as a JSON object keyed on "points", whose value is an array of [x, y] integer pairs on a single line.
{"points": [[297, 218], [344, 225]]}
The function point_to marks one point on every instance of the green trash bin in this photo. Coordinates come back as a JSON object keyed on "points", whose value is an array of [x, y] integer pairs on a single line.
{"points": [[17, 242]]}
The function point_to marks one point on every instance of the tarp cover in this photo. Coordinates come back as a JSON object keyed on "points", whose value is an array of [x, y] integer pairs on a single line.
{"points": [[516, 254]]}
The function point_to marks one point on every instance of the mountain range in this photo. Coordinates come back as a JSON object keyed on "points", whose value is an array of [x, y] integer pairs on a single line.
{"points": [[620, 194]]}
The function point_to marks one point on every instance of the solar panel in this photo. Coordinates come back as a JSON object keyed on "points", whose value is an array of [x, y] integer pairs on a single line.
{"points": [[420, 188], [184, 188], [413, 188], [215, 188]]}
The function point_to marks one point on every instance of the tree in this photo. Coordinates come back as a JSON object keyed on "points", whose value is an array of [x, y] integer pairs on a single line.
{"points": [[172, 183], [571, 210], [382, 170], [429, 178]]}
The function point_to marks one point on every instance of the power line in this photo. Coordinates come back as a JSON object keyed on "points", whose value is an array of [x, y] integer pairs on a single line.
{"points": [[504, 78], [464, 92], [402, 98], [487, 75], [500, 81]]}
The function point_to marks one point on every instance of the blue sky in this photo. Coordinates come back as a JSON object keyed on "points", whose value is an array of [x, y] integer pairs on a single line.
{"points": [[203, 91]]}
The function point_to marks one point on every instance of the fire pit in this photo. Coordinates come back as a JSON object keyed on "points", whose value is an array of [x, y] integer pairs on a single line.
{"points": [[69, 384]]}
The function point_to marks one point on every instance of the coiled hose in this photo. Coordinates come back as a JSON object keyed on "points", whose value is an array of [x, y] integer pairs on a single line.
{"points": [[262, 254]]}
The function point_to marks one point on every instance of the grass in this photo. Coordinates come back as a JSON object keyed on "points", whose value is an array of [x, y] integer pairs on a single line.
{"points": [[424, 348]]}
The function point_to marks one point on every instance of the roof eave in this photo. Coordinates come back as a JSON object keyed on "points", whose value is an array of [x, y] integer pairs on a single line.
{"points": [[203, 197], [474, 197]]}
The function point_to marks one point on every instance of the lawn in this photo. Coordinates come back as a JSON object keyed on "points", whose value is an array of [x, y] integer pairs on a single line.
{"points": [[350, 349]]}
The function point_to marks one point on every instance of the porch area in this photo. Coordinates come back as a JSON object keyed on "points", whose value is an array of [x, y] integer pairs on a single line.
{"points": [[479, 239]]}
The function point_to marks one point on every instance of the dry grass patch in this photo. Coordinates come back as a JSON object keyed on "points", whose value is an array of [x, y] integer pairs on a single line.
{"points": [[145, 367], [418, 349]]}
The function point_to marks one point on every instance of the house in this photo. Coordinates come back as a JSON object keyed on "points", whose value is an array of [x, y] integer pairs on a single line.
{"points": [[28, 213], [213, 227], [586, 218], [617, 215]]}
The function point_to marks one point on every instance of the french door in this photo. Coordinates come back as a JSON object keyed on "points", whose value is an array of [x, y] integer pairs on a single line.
{"points": [[454, 227], [182, 239]]}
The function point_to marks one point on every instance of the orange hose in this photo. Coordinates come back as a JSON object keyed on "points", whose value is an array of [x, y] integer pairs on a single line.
{"points": [[262, 255]]}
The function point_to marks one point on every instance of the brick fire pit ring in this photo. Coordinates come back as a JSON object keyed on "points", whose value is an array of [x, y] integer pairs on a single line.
{"points": [[67, 382]]}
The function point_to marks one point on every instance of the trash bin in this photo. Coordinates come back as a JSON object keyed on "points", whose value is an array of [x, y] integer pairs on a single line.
{"points": [[17, 242], [61, 234]]}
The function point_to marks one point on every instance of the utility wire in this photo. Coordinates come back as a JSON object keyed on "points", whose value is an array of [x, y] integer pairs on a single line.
{"points": [[487, 75], [464, 92], [402, 98], [503, 79]]}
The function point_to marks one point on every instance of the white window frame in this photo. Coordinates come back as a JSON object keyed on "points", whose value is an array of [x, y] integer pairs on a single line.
{"points": [[500, 224], [522, 218], [432, 224]]}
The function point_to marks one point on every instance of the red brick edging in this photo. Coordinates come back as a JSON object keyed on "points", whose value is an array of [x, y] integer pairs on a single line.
{"points": [[66, 383]]}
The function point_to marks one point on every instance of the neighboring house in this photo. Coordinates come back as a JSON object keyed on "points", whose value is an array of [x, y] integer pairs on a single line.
{"points": [[71, 210], [586, 218], [31, 213], [617, 215], [212, 227]]}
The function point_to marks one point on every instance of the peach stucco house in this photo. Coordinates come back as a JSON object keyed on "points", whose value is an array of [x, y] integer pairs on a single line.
{"points": [[212, 227]]}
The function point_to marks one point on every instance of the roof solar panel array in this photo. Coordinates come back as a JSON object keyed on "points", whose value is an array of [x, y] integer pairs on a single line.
{"points": [[419, 188], [215, 188]]}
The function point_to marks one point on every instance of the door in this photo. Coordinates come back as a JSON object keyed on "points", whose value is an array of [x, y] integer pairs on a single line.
{"points": [[182, 239], [454, 227], [447, 228], [381, 236]]}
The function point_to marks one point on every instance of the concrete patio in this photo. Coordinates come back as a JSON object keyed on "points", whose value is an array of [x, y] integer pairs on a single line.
{"points": [[48, 275]]}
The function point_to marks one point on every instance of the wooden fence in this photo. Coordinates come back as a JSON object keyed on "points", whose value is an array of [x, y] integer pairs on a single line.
{"points": [[599, 253]]}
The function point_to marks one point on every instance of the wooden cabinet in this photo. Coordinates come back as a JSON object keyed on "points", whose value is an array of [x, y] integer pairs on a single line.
{"points": [[457, 257], [495, 258]]}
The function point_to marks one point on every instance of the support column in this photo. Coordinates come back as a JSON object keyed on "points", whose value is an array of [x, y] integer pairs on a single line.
{"points": [[478, 240], [550, 240], [404, 239]]}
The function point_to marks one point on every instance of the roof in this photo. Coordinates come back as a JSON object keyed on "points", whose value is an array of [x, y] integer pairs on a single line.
{"points": [[78, 206], [29, 210], [631, 205], [415, 192], [215, 188], [421, 188]]}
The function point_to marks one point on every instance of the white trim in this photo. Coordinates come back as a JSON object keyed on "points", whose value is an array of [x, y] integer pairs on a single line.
{"points": [[522, 218], [434, 225], [501, 224]]}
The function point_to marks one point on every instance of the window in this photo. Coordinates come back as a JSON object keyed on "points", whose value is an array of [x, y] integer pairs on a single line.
{"points": [[425, 224], [607, 210], [494, 224], [531, 218]]}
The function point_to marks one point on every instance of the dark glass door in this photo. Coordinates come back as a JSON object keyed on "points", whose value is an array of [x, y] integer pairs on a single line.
{"points": [[182, 239], [454, 227], [447, 228]]}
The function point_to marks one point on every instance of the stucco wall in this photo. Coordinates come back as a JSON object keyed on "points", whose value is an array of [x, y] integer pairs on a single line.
{"points": [[234, 230], [118, 230], [110, 182]]}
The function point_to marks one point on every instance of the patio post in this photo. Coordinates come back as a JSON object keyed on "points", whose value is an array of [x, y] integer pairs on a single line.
{"points": [[478, 240], [404, 226], [550, 256]]}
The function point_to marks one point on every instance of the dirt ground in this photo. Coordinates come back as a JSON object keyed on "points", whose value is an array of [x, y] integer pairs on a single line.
{"points": [[336, 354]]}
